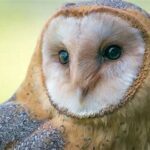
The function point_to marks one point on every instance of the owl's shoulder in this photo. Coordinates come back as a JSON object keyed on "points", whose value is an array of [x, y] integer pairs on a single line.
{"points": [[26, 132]]}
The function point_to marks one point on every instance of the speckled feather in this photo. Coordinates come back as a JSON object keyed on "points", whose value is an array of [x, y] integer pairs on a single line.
{"points": [[111, 3], [19, 131], [15, 123], [42, 138]]}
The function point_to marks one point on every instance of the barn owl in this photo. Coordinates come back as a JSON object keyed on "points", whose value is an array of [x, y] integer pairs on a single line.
{"points": [[88, 83]]}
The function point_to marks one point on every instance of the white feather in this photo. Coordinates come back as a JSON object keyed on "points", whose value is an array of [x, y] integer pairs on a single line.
{"points": [[75, 33]]}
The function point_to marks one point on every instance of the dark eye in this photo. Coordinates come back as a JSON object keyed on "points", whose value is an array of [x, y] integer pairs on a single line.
{"points": [[112, 52], [63, 56]]}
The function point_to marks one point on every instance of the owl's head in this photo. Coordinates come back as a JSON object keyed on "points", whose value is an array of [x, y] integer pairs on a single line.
{"points": [[91, 58], [94, 57]]}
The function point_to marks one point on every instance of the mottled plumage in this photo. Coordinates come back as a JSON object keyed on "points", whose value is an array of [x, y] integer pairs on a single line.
{"points": [[90, 101], [111, 3]]}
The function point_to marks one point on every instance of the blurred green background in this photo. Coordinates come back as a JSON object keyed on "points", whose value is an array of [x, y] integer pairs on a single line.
{"points": [[21, 22]]}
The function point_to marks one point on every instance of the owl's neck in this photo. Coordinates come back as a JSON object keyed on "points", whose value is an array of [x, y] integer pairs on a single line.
{"points": [[110, 132]]}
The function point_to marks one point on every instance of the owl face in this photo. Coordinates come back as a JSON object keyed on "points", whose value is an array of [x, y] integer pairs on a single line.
{"points": [[90, 62]]}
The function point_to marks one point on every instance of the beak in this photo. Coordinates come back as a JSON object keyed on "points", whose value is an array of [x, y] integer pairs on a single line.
{"points": [[85, 79]]}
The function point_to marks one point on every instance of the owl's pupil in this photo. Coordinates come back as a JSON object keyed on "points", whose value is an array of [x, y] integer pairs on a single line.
{"points": [[63, 57], [113, 52]]}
